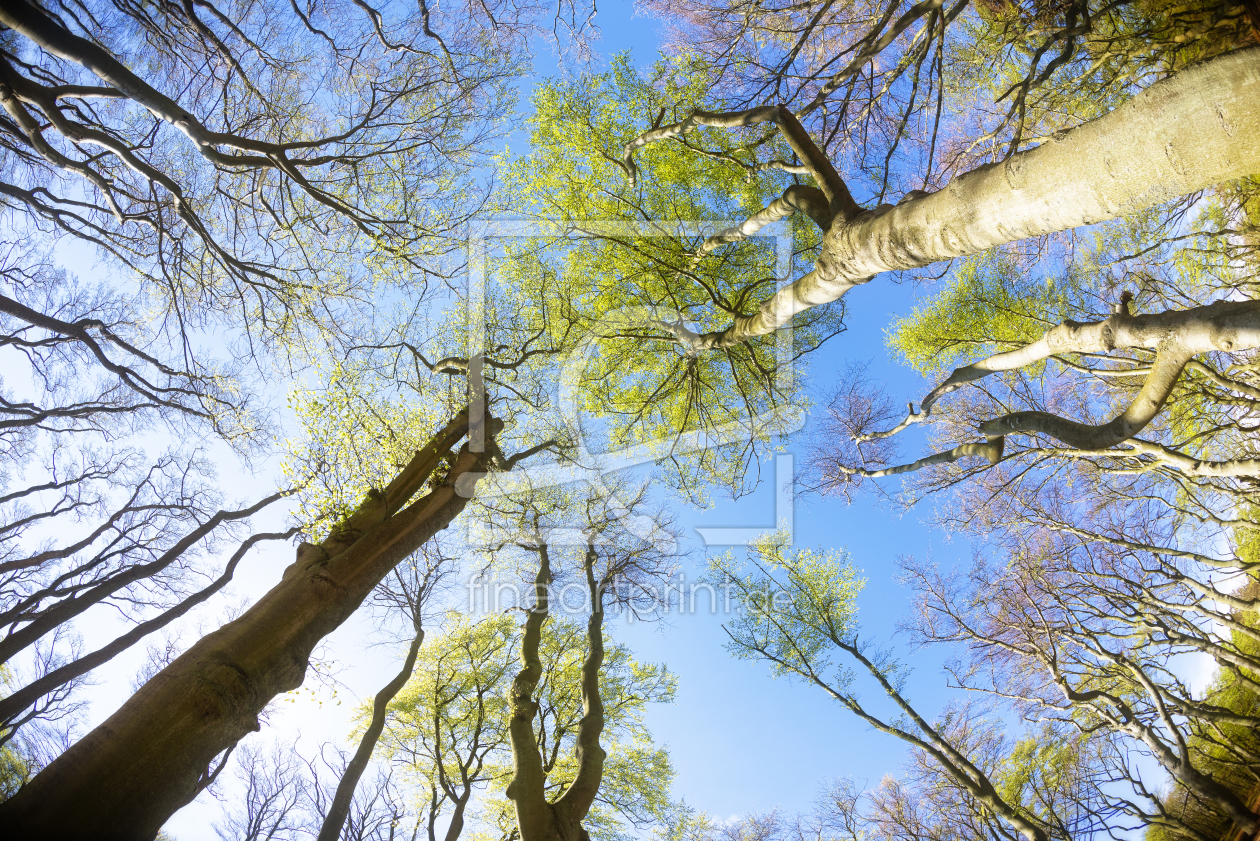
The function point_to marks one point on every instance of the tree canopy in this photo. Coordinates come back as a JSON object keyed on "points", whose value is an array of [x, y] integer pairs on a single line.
{"points": [[290, 237]]}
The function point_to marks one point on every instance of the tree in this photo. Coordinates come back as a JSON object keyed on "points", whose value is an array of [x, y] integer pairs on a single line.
{"points": [[210, 696], [250, 127], [797, 613], [618, 568], [709, 317], [446, 727], [276, 794], [924, 803], [1053, 187], [286, 796], [447, 730], [90, 520], [1087, 638], [1112, 581], [255, 170]]}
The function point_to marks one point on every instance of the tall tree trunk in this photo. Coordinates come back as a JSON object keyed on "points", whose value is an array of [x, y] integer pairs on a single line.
{"points": [[126, 777], [1193, 130], [573, 806], [336, 817], [527, 790], [537, 819]]}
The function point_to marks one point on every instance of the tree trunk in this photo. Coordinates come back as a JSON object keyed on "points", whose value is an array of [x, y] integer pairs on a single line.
{"points": [[536, 818], [1193, 130], [527, 790], [126, 777], [572, 807]]}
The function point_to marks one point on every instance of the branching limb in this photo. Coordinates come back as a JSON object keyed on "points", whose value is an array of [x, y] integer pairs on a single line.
{"points": [[798, 198], [875, 42], [990, 450], [1167, 456], [68, 609], [813, 158], [1154, 393], [714, 119], [184, 391], [1180, 335], [13, 704]]}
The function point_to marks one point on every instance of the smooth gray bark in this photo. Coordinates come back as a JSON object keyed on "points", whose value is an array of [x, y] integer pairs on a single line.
{"points": [[1193, 130], [1177, 336]]}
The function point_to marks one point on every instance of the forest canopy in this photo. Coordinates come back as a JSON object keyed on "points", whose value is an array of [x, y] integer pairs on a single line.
{"points": [[416, 337]]}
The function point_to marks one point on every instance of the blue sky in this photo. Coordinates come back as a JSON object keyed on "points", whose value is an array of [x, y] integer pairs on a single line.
{"points": [[740, 740]]}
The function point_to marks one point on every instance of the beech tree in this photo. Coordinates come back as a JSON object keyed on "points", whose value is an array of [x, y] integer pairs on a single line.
{"points": [[1097, 689], [286, 796], [618, 569], [625, 284], [210, 696], [1105, 537], [1085, 636], [250, 127], [1102, 157], [408, 590], [447, 730], [797, 613], [1053, 187], [1187, 488], [239, 668], [835, 85], [271, 169], [443, 729]]}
